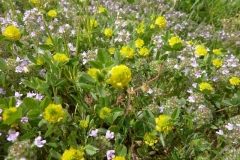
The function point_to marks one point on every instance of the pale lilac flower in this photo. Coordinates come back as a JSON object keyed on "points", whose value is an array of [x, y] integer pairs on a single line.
{"points": [[161, 108], [225, 71], [191, 99], [19, 102], [93, 133], [23, 159], [190, 91], [43, 71], [220, 132], [39, 142], [202, 107], [215, 78], [39, 96], [24, 119], [109, 134], [1, 110], [150, 91], [18, 94], [229, 126], [238, 124], [194, 85], [31, 94], [2, 91], [186, 70], [110, 154], [12, 135]]}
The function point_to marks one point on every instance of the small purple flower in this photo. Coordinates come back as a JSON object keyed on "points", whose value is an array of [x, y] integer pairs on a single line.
{"points": [[93, 133], [150, 91], [220, 132], [39, 142], [109, 134], [161, 108], [19, 102], [12, 135], [43, 71], [24, 119], [29, 94], [191, 99], [18, 94], [2, 91], [229, 126], [110, 154], [39, 97]]}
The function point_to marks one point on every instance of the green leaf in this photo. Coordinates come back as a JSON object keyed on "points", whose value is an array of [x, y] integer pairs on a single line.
{"points": [[87, 77], [60, 82], [141, 151], [96, 64], [28, 135], [121, 150], [131, 1], [226, 103], [85, 86], [33, 114], [114, 129], [49, 131], [162, 140], [45, 102], [45, 47], [176, 113], [55, 154], [102, 56], [117, 112], [91, 150], [31, 58], [53, 145], [30, 103], [3, 65]]}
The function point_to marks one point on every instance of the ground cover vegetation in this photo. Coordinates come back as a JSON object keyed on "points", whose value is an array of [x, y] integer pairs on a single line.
{"points": [[119, 80]]}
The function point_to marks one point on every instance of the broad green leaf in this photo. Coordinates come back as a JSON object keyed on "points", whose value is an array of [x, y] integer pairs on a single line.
{"points": [[226, 103], [55, 154], [45, 102], [102, 56], [28, 135], [3, 65], [14, 117], [176, 113], [45, 47], [60, 82], [162, 140], [31, 58], [85, 76], [33, 114], [114, 129], [96, 64], [50, 130], [121, 150], [30, 103], [85, 86], [91, 150], [131, 1], [117, 112]]}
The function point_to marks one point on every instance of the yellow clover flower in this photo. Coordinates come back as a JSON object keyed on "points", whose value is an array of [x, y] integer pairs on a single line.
{"points": [[54, 113], [127, 51], [234, 81], [73, 154], [96, 74], [144, 51], [119, 158], [83, 124], [150, 139], [200, 50], [174, 40], [108, 32], [120, 76], [111, 50], [104, 112], [8, 112], [60, 57], [217, 62], [217, 51], [161, 22], [49, 41], [101, 10], [12, 33], [93, 23], [140, 29], [139, 43], [36, 2], [164, 123], [52, 13], [205, 86]]}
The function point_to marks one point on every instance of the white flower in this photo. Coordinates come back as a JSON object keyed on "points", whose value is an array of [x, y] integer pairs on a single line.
{"points": [[93, 133], [18, 94], [161, 108], [220, 132], [109, 134], [12, 135], [229, 126], [110, 154], [39, 142], [150, 91], [29, 94], [191, 99]]}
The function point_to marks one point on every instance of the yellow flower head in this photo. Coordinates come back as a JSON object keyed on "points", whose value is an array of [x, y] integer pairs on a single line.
{"points": [[105, 112], [127, 51], [200, 50], [54, 113], [205, 86], [52, 13], [8, 112], [40, 61], [234, 81], [119, 158], [36, 2], [49, 41], [60, 57], [161, 22], [144, 51], [139, 43], [174, 40], [95, 74], [152, 26], [111, 50], [150, 139], [217, 51], [217, 62], [73, 154], [190, 42], [93, 23], [101, 10], [140, 29], [120, 76], [164, 123], [83, 124], [108, 32], [12, 33]]}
